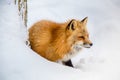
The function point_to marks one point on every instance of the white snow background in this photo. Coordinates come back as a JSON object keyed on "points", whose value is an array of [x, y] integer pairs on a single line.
{"points": [[101, 62]]}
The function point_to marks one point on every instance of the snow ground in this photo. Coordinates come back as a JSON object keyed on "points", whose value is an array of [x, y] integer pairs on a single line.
{"points": [[101, 62]]}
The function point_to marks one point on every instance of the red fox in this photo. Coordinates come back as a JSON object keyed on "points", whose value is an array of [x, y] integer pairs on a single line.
{"points": [[59, 41]]}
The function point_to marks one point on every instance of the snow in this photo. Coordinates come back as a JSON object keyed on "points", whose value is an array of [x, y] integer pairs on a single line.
{"points": [[101, 62]]}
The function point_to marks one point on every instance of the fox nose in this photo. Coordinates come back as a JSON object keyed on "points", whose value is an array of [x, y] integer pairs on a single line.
{"points": [[91, 44], [86, 45]]}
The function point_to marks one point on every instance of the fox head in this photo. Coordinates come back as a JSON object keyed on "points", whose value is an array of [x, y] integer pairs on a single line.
{"points": [[77, 34]]}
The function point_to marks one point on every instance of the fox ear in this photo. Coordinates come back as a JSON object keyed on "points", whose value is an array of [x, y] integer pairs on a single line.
{"points": [[71, 25], [84, 21]]}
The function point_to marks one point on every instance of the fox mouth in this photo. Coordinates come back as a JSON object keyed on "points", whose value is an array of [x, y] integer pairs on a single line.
{"points": [[79, 46], [87, 45]]}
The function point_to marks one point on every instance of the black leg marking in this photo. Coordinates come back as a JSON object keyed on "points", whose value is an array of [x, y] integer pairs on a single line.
{"points": [[68, 63]]}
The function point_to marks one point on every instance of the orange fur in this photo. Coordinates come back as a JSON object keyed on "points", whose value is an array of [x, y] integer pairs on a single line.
{"points": [[53, 40]]}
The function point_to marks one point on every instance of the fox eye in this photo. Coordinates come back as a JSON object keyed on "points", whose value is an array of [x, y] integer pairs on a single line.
{"points": [[82, 37]]}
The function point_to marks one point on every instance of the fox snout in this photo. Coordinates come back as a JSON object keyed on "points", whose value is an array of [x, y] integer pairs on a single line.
{"points": [[87, 45]]}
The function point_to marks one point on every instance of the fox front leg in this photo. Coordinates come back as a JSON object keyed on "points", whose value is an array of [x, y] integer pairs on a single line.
{"points": [[68, 63]]}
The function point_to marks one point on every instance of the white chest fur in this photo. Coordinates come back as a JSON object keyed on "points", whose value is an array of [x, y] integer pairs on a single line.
{"points": [[74, 50]]}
